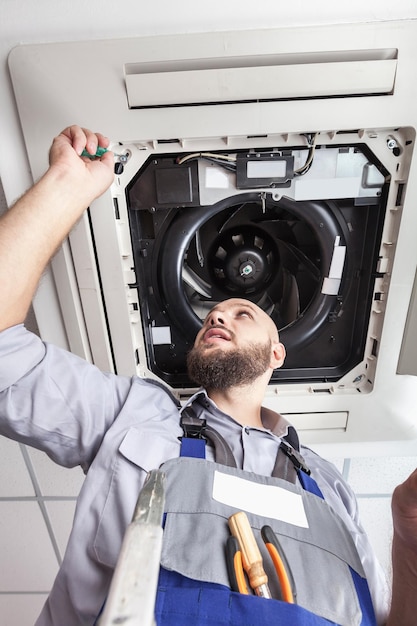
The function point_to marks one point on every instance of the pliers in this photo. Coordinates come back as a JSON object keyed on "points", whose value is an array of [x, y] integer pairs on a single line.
{"points": [[242, 554]]}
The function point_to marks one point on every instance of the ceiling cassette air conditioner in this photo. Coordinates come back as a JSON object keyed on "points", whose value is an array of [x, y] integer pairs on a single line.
{"points": [[295, 227]]}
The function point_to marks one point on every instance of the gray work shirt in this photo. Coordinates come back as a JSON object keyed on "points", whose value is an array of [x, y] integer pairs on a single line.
{"points": [[119, 428]]}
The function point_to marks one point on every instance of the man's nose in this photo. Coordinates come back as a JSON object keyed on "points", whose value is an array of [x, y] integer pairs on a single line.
{"points": [[216, 317]]}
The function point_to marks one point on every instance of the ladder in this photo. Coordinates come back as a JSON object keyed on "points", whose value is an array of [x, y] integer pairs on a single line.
{"points": [[131, 599]]}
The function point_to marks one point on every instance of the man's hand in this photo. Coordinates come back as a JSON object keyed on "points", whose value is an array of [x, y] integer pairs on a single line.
{"points": [[404, 554], [91, 176]]}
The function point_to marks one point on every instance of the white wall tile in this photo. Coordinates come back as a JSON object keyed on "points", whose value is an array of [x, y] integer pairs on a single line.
{"points": [[375, 514], [20, 609], [53, 479], [61, 514], [379, 474], [15, 480], [28, 562]]}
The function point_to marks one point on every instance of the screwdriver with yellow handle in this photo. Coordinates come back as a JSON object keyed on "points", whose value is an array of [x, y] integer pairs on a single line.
{"points": [[251, 555]]}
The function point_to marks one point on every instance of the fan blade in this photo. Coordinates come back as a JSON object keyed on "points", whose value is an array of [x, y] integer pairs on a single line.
{"points": [[200, 286]]}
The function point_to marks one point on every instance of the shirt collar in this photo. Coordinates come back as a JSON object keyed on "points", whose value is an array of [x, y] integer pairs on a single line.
{"points": [[272, 421]]}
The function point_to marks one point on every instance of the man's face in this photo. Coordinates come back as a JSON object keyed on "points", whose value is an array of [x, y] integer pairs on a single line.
{"points": [[237, 344]]}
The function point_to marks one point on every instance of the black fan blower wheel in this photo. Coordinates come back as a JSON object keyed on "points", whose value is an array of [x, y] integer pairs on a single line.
{"points": [[242, 261], [238, 267]]}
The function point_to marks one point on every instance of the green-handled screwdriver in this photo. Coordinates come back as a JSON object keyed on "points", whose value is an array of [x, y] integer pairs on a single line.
{"points": [[99, 153]]}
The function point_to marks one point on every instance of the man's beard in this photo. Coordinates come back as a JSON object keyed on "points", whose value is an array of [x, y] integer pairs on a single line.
{"points": [[214, 369]]}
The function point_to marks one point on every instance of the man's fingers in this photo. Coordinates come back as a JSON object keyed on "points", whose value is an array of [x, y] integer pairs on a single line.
{"points": [[108, 159], [93, 141], [83, 138], [103, 141]]}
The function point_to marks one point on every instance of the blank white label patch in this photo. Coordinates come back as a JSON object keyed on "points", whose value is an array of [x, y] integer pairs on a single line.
{"points": [[264, 500]]}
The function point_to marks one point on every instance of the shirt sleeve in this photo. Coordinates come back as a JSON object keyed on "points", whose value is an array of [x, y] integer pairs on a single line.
{"points": [[340, 496], [55, 401]]}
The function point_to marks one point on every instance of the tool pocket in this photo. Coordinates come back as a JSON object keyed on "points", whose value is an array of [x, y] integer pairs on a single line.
{"points": [[183, 602], [321, 553]]}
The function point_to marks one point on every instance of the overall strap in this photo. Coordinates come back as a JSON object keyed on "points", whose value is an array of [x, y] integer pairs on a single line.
{"points": [[290, 445], [289, 461], [289, 464], [196, 433]]}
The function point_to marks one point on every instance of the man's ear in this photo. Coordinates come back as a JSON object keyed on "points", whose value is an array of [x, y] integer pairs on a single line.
{"points": [[278, 354]]}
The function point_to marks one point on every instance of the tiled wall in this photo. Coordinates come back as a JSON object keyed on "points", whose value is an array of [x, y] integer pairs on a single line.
{"points": [[373, 481], [37, 503]]}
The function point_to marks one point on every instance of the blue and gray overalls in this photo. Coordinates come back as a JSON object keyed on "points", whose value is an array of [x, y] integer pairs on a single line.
{"points": [[194, 588]]}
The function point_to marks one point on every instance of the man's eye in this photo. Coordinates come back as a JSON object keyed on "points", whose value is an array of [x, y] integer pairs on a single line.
{"points": [[244, 314]]}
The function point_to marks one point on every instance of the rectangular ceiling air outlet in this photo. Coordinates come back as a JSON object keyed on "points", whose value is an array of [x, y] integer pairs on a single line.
{"points": [[184, 82]]}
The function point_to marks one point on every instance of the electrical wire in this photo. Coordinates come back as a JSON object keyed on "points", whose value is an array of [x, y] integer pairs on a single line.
{"points": [[229, 162], [224, 160], [196, 155], [312, 148]]}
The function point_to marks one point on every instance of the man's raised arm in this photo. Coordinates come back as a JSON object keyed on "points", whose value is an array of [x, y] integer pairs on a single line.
{"points": [[32, 230]]}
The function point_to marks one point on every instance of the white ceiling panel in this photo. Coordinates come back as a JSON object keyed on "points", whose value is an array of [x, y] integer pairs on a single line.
{"points": [[61, 514], [54, 480], [15, 480], [28, 560]]}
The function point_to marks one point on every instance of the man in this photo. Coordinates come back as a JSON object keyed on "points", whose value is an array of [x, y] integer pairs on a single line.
{"points": [[118, 429]]}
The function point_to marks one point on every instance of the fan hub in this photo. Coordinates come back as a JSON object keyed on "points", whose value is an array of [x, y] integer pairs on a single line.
{"points": [[242, 260], [247, 268]]}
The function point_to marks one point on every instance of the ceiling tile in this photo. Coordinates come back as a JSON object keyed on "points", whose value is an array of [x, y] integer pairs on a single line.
{"points": [[379, 474], [61, 514], [15, 480], [53, 479], [20, 609], [28, 562], [375, 515]]}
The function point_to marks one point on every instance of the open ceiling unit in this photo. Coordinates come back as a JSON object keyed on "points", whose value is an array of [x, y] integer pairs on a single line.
{"points": [[295, 226]]}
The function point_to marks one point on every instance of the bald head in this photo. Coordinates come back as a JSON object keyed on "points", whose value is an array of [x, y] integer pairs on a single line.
{"points": [[260, 316], [237, 324]]}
